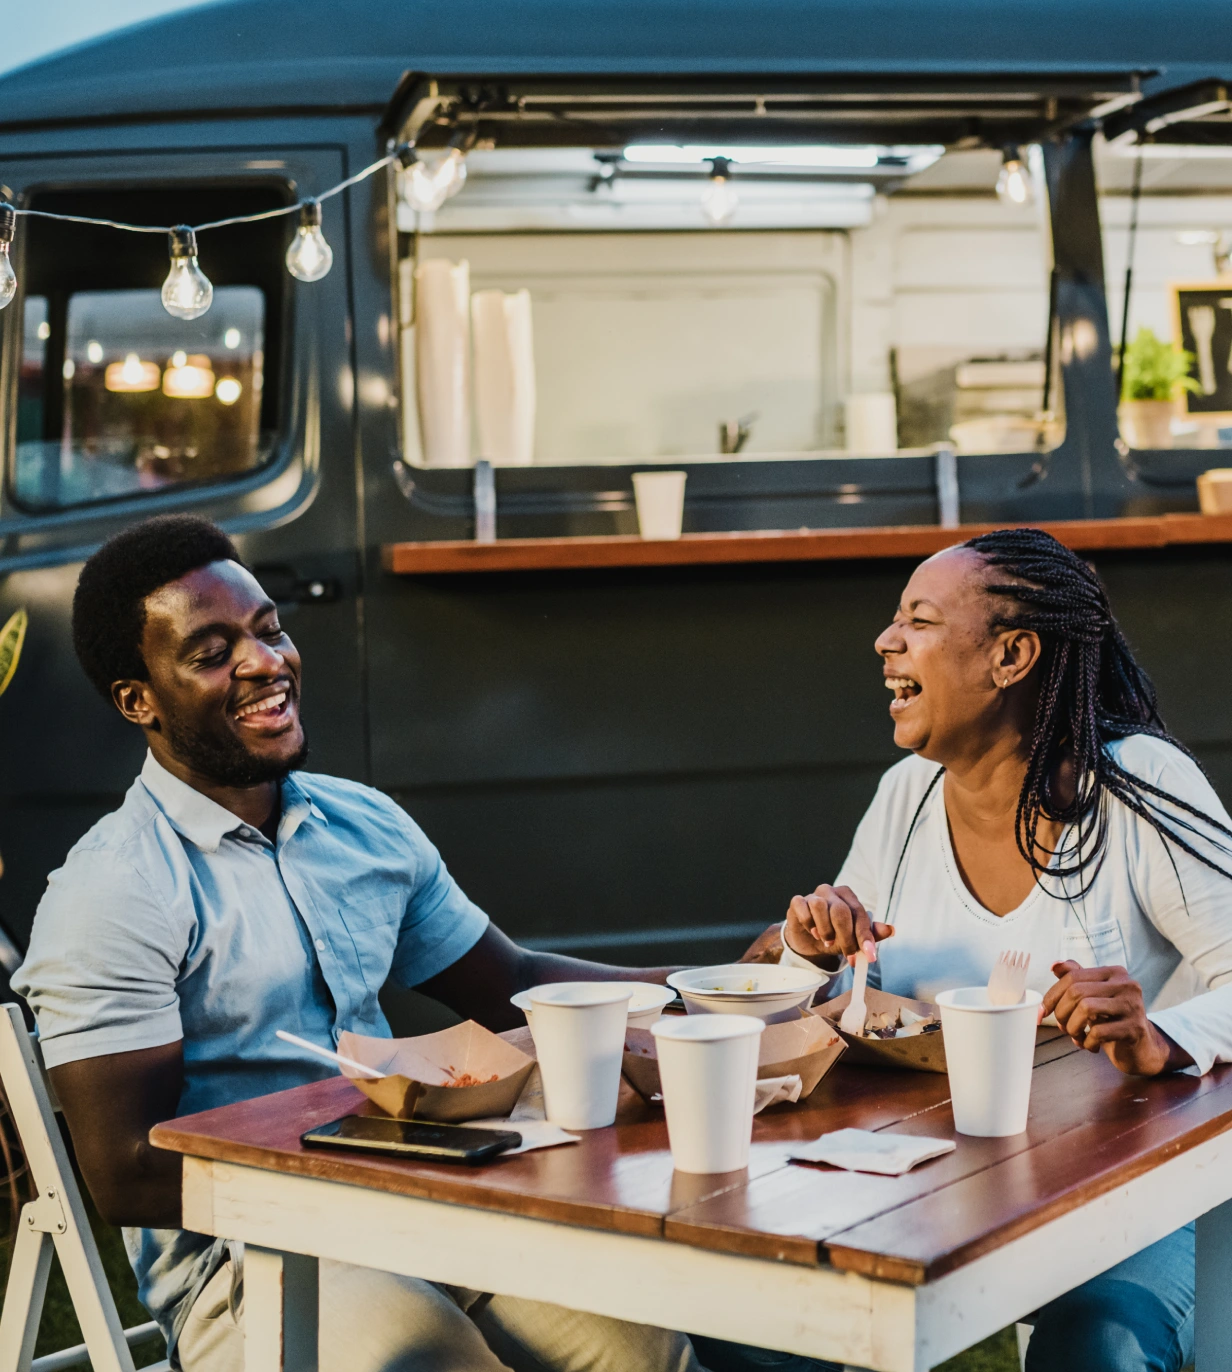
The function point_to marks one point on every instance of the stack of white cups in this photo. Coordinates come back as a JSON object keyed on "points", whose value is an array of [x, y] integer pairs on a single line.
{"points": [[443, 361], [504, 376]]}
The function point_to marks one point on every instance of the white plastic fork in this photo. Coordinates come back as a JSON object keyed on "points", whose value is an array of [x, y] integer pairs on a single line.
{"points": [[852, 1020], [1008, 982]]}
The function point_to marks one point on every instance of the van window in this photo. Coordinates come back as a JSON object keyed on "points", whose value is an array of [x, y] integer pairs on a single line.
{"points": [[115, 397], [146, 401]]}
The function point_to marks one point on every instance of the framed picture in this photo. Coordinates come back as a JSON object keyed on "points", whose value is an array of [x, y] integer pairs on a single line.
{"points": [[1202, 325]]}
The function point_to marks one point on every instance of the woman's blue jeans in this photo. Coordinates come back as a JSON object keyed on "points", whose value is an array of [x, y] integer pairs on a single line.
{"points": [[1136, 1317]]}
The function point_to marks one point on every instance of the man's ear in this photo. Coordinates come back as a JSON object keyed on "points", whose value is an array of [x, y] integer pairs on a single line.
{"points": [[134, 702]]}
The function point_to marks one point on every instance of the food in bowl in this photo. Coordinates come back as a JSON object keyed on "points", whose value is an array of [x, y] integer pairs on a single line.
{"points": [[766, 991]]}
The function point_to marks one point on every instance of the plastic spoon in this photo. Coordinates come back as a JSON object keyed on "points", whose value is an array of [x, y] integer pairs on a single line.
{"points": [[852, 1021], [326, 1053]]}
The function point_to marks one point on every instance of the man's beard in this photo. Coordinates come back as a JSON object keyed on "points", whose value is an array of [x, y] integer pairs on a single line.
{"points": [[224, 759]]}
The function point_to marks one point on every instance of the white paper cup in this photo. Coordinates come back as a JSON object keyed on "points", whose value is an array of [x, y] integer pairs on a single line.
{"points": [[660, 503], [708, 1071], [645, 1005], [989, 1052], [579, 1033]]}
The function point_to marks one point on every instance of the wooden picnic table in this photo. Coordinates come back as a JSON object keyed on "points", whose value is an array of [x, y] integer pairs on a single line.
{"points": [[889, 1273]]}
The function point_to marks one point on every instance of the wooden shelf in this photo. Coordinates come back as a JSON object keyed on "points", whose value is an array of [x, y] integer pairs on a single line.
{"points": [[803, 545]]}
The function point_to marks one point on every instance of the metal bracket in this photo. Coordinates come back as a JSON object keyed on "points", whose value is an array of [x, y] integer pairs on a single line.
{"points": [[44, 1215]]}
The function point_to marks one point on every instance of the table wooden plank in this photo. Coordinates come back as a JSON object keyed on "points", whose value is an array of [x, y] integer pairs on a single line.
{"points": [[620, 1178], [781, 545], [1082, 1110], [946, 1229]]}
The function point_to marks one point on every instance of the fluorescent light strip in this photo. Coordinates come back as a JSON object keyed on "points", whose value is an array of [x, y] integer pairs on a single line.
{"points": [[799, 156]]}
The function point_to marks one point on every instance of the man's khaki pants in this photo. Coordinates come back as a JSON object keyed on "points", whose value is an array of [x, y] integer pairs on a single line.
{"points": [[377, 1322]]}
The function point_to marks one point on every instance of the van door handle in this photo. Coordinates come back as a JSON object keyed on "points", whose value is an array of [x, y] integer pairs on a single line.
{"points": [[286, 586]]}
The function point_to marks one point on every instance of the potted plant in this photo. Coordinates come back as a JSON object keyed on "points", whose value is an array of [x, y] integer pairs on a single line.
{"points": [[1153, 376]]}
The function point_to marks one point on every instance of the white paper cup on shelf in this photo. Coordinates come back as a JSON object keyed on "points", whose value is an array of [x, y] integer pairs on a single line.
{"points": [[708, 1071], [872, 424], [579, 1033], [989, 1053], [660, 503]]}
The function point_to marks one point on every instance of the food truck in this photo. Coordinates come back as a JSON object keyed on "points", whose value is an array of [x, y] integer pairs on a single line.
{"points": [[865, 281]]}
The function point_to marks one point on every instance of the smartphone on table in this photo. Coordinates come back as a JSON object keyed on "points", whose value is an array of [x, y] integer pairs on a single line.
{"points": [[412, 1139]]}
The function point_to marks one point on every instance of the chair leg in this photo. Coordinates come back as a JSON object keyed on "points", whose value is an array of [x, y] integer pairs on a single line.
{"points": [[23, 1299], [1024, 1332]]}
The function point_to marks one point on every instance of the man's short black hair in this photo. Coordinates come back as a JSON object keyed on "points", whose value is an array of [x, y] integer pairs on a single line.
{"points": [[109, 603]]}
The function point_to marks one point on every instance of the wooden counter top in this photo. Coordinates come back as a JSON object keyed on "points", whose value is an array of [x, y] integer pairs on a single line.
{"points": [[796, 545]]}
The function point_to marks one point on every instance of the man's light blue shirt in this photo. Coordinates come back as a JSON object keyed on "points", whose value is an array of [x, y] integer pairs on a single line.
{"points": [[172, 919]]}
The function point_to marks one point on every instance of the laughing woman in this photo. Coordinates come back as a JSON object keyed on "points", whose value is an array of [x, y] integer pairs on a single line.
{"points": [[1045, 808]]}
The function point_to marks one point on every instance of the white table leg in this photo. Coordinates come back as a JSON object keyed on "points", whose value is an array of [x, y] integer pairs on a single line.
{"points": [[281, 1311], [1213, 1316]]}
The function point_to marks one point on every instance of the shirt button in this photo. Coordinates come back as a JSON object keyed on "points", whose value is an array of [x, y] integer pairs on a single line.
{"points": [[320, 945]]}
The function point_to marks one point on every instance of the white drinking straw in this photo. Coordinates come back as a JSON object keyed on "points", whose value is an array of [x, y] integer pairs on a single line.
{"points": [[327, 1053]]}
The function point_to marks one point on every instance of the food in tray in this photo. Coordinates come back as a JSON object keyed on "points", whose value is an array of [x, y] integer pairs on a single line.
{"points": [[899, 1023], [457, 1078]]}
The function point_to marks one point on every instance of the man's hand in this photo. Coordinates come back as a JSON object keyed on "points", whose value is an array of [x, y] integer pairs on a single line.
{"points": [[1102, 1007], [832, 924]]}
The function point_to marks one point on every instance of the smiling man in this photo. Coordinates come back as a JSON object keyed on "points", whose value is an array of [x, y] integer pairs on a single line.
{"points": [[231, 895]]}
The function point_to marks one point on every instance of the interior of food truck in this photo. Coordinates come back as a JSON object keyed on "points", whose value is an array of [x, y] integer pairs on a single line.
{"points": [[757, 282]]}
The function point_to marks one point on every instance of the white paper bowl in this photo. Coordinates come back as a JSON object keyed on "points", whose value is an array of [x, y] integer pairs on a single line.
{"points": [[645, 1005], [764, 990]]}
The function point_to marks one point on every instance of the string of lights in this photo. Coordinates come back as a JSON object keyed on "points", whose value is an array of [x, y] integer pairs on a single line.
{"points": [[187, 292]]}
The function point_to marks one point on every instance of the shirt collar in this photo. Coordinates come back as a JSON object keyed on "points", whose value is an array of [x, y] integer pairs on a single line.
{"points": [[203, 821]]}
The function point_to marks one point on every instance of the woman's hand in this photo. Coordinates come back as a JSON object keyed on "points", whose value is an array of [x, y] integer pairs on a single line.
{"points": [[832, 924], [1102, 1007]]}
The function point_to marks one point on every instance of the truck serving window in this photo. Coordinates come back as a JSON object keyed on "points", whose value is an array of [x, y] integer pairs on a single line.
{"points": [[117, 398]]}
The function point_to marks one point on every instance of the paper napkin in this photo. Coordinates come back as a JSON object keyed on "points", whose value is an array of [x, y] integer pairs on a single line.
{"points": [[860, 1150]]}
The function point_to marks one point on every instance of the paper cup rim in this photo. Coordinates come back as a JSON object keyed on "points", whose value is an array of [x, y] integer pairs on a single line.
{"points": [[596, 993], [945, 999], [664, 996], [707, 1028]]}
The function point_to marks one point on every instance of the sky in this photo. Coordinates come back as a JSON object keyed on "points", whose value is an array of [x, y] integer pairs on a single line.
{"points": [[36, 29]]}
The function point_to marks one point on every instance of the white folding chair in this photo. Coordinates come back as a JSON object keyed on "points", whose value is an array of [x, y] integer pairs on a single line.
{"points": [[55, 1218]]}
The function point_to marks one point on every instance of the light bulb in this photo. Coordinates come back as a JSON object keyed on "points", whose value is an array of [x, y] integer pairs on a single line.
{"points": [[187, 292], [309, 257], [8, 277], [426, 186], [719, 200], [451, 173], [1013, 182]]}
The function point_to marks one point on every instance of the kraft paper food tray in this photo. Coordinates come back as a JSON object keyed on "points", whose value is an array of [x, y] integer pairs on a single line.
{"points": [[921, 1052], [806, 1047], [416, 1069]]}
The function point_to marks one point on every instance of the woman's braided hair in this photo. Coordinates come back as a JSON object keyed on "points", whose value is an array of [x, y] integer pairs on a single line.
{"points": [[1092, 693]]}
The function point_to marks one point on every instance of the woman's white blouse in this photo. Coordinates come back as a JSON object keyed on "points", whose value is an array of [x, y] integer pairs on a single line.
{"points": [[1158, 912]]}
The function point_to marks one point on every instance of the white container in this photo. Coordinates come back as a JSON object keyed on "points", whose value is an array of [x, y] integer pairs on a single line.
{"points": [[770, 992], [443, 360], [660, 503], [579, 1032], [708, 1069], [645, 1005], [989, 1052], [872, 424]]}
